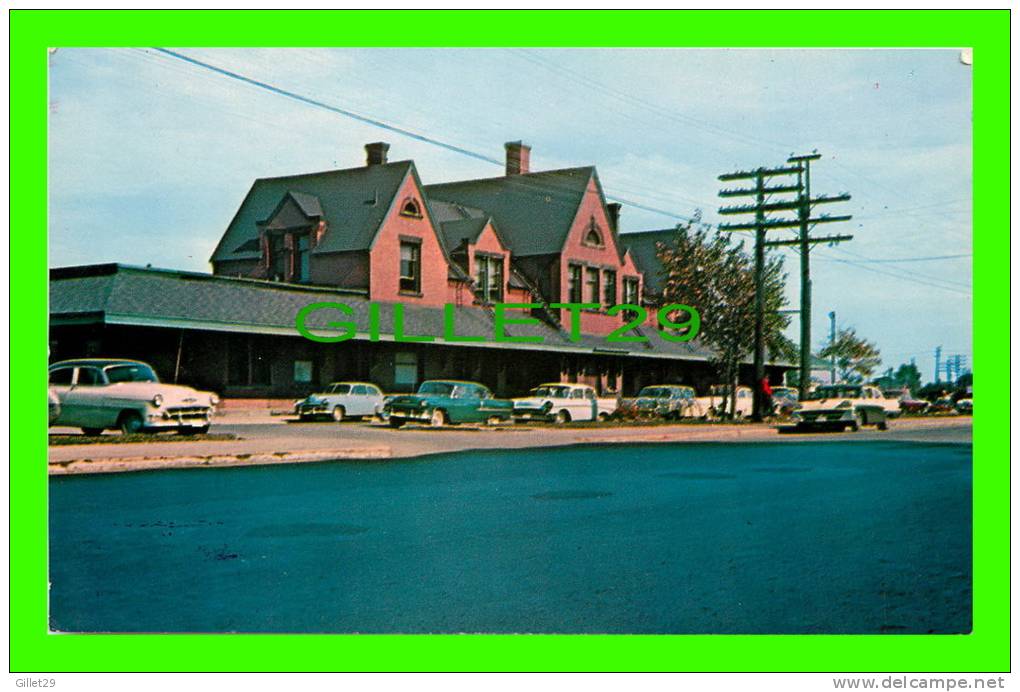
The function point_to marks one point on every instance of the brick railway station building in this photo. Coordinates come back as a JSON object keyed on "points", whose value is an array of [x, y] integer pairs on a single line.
{"points": [[377, 234]]}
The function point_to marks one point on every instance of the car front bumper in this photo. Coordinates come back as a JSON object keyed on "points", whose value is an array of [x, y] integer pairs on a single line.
{"points": [[178, 417]]}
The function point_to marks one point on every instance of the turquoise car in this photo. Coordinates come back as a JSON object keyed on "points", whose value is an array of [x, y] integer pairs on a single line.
{"points": [[441, 402]]}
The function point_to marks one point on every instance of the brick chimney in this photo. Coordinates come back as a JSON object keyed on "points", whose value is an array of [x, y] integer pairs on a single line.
{"points": [[614, 215], [375, 153], [518, 158]]}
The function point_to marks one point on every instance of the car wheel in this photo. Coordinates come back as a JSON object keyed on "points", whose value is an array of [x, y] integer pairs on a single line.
{"points": [[194, 430], [395, 422], [562, 417], [92, 432], [338, 413], [603, 418], [856, 425], [130, 423], [883, 425], [493, 420], [438, 418]]}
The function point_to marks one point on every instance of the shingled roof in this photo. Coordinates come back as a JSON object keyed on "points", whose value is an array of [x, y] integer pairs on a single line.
{"points": [[533, 211], [126, 295], [644, 251], [353, 202]]}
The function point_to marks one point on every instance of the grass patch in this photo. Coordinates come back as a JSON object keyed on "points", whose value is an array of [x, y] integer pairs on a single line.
{"points": [[59, 440]]}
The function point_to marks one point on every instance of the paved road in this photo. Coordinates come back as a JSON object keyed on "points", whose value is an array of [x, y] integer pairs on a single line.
{"points": [[812, 537]]}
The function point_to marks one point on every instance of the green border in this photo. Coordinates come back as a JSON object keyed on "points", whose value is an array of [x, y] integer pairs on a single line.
{"points": [[32, 649]]}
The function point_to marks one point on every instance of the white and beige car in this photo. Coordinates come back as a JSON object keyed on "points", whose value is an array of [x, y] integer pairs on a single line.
{"points": [[563, 402], [97, 394], [843, 406], [342, 400], [718, 401]]}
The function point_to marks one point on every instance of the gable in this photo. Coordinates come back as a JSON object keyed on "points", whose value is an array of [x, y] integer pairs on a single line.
{"points": [[353, 203], [533, 212]]}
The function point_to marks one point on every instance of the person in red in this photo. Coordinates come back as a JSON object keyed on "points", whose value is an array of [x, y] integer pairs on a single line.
{"points": [[766, 395]]}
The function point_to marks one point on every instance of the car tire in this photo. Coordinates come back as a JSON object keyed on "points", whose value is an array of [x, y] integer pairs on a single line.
{"points": [[338, 414], [562, 416], [92, 432], [395, 422], [882, 425], [603, 418], [856, 425], [438, 418], [130, 423]]}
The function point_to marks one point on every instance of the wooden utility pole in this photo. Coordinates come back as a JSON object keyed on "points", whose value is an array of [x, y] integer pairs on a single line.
{"points": [[803, 204], [761, 224]]}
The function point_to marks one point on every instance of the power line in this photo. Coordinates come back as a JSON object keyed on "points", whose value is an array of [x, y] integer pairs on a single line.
{"points": [[911, 259]]}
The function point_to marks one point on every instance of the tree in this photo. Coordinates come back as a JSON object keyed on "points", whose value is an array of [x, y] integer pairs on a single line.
{"points": [[706, 270], [855, 358], [907, 375]]}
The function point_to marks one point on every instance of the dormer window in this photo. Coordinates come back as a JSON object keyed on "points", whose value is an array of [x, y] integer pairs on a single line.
{"points": [[410, 207], [593, 236]]}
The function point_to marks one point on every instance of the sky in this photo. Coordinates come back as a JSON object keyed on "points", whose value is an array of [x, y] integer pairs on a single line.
{"points": [[150, 155]]}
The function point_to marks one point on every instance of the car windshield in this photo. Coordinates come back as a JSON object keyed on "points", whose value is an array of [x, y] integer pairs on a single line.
{"points": [[655, 392], [130, 372], [440, 388], [837, 393], [340, 389], [551, 391]]}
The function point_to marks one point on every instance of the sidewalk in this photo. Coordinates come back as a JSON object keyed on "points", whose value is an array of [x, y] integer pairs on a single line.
{"points": [[276, 442]]}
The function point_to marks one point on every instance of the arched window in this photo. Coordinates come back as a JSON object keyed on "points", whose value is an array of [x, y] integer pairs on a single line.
{"points": [[593, 236], [410, 208]]}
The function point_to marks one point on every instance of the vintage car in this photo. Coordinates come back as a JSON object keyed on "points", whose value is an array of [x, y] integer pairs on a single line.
{"points": [[718, 401], [439, 402], [665, 400], [842, 406], [965, 406], [891, 404], [341, 400], [785, 400], [909, 404], [54, 401], [97, 394], [563, 402]]}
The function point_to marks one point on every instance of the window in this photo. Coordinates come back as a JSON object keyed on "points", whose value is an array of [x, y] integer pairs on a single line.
{"points": [[489, 278], [630, 291], [609, 299], [62, 376], [410, 267], [129, 372], [592, 283], [247, 361], [277, 257], [410, 208], [577, 394], [359, 390], [301, 256], [574, 284], [90, 377], [593, 236], [303, 371], [405, 369]]}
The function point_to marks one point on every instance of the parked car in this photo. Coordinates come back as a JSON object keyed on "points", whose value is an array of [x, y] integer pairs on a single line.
{"points": [[842, 406], [563, 402], [943, 405], [965, 406], [98, 394], [909, 404], [890, 404], [341, 400], [439, 402], [718, 401], [665, 400], [785, 400], [54, 405]]}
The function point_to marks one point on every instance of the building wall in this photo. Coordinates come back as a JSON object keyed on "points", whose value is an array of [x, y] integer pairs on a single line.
{"points": [[606, 256], [342, 269], [384, 261]]}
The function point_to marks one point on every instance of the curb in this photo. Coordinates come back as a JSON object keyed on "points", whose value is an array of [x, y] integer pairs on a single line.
{"points": [[123, 464]]}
